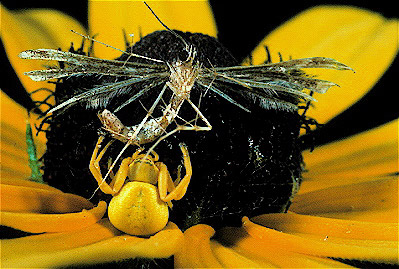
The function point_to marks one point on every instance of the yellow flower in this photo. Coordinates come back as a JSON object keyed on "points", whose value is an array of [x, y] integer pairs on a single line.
{"points": [[345, 210]]}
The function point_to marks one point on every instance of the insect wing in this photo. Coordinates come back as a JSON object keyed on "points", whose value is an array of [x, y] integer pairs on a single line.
{"points": [[313, 62], [288, 72], [82, 64], [99, 96], [277, 85]]}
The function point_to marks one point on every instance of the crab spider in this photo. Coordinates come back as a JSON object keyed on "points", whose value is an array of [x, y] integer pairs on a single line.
{"points": [[142, 190]]}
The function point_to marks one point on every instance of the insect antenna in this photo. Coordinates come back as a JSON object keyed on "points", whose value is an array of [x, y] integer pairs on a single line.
{"points": [[112, 47], [186, 44]]}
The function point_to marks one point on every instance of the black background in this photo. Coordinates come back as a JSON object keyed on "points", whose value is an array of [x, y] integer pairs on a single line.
{"points": [[241, 25]]}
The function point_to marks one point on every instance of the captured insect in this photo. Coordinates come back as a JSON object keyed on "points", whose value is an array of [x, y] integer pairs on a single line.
{"points": [[278, 86], [142, 190]]}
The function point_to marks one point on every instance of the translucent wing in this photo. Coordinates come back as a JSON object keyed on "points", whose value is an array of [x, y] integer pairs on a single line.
{"points": [[295, 64], [145, 75], [80, 65], [277, 85], [100, 96]]}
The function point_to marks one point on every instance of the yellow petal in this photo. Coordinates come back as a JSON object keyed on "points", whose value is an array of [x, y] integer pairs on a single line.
{"points": [[352, 201], [14, 155], [370, 250], [35, 29], [161, 245], [361, 39], [42, 223], [230, 258], [15, 250], [328, 228], [28, 199], [196, 250], [358, 158], [109, 18], [269, 252], [28, 183]]}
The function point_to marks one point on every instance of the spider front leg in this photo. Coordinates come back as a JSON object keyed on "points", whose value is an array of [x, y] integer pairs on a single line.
{"points": [[165, 182], [94, 167]]}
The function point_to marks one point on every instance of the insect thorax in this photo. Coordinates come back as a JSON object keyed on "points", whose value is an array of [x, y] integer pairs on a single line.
{"points": [[182, 77]]}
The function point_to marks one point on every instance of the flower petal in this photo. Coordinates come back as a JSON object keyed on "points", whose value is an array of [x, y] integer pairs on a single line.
{"points": [[135, 18], [28, 183], [15, 251], [269, 252], [359, 158], [42, 223], [14, 155], [34, 29], [196, 251], [161, 245], [233, 247], [229, 258], [361, 39], [370, 201], [328, 228], [28, 199], [370, 250]]}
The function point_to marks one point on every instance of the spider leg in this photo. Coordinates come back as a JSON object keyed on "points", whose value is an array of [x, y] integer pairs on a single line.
{"points": [[121, 175], [94, 166], [111, 173], [165, 182]]}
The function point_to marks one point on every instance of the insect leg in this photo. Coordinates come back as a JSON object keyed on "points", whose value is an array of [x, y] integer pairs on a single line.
{"points": [[199, 113]]}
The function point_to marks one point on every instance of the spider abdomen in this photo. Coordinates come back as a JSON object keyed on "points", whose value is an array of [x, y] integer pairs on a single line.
{"points": [[138, 210]]}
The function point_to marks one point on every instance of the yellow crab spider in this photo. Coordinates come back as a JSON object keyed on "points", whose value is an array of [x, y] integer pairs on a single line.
{"points": [[142, 189]]}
